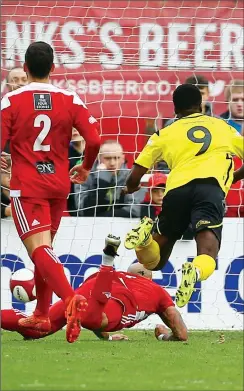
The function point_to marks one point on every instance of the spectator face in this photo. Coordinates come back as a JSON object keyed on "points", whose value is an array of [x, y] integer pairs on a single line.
{"points": [[16, 78], [236, 105], [76, 135], [111, 156], [78, 139], [205, 94], [157, 195]]}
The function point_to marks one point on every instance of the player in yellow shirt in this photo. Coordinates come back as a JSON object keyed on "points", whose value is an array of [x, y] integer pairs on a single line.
{"points": [[198, 149]]}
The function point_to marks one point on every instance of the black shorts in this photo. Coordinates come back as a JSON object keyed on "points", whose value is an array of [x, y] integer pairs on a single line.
{"points": [[200, 203]]}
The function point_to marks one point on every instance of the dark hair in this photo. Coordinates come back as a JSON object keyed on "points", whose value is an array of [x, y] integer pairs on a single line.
{"points": [[198, 80], [39, 59], [186, 96]]}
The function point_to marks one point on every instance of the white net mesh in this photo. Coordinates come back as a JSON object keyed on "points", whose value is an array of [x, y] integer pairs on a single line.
{"points": [[125, 58]]}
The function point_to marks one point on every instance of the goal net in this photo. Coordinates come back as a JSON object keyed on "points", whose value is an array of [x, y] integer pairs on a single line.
{"points": [[124, 59]]}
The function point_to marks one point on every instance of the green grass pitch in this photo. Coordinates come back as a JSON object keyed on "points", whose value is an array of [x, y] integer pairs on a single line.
{"points": [[143, 363]]}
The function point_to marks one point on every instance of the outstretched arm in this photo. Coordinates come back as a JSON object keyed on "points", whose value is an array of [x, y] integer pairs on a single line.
{"points": [[87, 127], [172, 318], [5, 128], [134, 178], [5, 121], [151, 153]]}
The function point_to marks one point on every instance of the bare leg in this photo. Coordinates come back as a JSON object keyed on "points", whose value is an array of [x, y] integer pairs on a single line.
{"points": [[36, 240], [207, 243], [166, 246]]}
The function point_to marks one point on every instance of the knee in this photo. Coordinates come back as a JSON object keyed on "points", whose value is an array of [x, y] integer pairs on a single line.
{"points": [[161, 264]]}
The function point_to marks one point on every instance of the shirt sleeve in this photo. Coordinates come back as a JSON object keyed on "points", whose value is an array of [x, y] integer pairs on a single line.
{"points": [[5, 121], [237, 143], [152, 152], [87, 126]]}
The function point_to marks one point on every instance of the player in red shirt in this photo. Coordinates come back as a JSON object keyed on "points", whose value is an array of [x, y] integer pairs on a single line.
{"points": [[235, 197], [38, 120], [113, 301]]}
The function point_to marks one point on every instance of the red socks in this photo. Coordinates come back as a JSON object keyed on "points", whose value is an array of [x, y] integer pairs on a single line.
{"points": [[100, 295], [10, 318], [43, 294], [103, 285], [9, 321], [52, 272]]}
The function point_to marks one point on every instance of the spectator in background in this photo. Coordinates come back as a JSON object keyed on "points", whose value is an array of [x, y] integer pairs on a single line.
{"points": [[152, 203], [162, 167], [234, 96], [101, 194], [76, 151], [234, 116], [16, 78], [5, 193], [202, 84]]}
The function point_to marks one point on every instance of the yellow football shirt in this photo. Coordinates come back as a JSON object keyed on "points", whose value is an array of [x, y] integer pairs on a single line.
{"points": [[196, 146]]}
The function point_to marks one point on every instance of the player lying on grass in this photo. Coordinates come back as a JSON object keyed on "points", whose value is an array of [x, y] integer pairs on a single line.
{"points": [[198, 149], [38, 119], [112, 301]]}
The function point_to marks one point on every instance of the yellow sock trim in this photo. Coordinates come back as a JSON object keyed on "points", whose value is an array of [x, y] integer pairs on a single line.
{"points": [[206, 266], [149, 255]]}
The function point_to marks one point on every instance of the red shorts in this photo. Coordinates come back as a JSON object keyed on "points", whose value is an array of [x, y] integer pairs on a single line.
{"points": [[32, 215]]}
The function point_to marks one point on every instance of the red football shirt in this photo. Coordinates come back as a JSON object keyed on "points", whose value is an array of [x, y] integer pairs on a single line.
{"points": [[38, 120], [138, 297], [235, 196]]}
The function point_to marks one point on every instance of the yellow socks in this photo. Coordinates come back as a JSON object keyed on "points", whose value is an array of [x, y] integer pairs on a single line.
{"points": [[149, 254], [205, 265]]}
